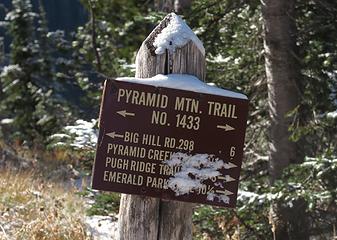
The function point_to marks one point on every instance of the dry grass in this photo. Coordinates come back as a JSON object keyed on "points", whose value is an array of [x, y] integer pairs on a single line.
{"points": [[31, 208]]}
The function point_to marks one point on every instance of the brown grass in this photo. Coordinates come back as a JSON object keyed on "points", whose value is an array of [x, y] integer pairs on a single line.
{"points": [[31, 208]]}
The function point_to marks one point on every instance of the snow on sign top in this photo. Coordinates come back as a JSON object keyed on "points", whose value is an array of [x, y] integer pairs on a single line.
{"points": [[183, 82], [176, 34]]}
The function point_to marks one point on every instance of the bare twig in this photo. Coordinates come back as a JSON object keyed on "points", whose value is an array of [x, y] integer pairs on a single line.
{"points": [[3, 230], [93, 37]]}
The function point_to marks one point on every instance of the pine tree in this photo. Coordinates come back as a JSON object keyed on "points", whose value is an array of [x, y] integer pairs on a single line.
{"points": [[18, 81], [47, 105]]}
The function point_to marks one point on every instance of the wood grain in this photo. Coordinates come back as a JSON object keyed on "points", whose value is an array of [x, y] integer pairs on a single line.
{"points": [[149, 218]]}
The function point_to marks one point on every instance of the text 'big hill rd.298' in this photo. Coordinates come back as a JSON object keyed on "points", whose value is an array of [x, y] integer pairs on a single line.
{"points": [[171, 143]]}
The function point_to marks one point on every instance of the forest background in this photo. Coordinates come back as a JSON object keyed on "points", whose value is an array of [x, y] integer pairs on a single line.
{"points": [[282, 54]]}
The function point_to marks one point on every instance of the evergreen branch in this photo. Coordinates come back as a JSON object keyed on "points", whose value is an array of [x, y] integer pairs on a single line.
{"points": [[249, 228]]}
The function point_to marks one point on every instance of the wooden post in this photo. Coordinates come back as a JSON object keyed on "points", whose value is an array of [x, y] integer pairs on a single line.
{"points": [[149, 218]]}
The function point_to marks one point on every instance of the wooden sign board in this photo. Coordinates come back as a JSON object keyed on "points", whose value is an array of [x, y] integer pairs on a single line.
{"points": [[160, 142]]}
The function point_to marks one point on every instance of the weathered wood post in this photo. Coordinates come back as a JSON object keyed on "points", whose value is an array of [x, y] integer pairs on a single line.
{"points": [[181, 52]]}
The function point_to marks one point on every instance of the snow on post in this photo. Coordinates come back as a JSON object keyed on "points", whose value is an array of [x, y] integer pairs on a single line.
{"points": [[171, 47], [176, 34]]}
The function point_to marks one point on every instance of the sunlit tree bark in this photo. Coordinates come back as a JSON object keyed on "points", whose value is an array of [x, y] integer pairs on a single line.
{"points": [[283, 76], [178, 6]]}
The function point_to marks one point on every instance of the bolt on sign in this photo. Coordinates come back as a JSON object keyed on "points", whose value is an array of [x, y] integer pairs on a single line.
{"points": [[170, 143]]}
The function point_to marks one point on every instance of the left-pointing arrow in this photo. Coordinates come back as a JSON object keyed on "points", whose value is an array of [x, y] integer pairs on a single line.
{"points": [[114, 135], [124, 113]]}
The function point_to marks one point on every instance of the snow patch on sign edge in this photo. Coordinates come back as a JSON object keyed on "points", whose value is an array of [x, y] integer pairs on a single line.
{"points": [[194, 170], [176, 34], [183, 82], [332, 114], [221, 198]]}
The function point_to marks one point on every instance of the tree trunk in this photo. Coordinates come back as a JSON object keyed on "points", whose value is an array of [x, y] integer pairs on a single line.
{"points": [[164, 5], [283, 76], [2, 60], [178, 6], [2, 50], [145, 217], [138, 217], [289, 221], [175, 220]]}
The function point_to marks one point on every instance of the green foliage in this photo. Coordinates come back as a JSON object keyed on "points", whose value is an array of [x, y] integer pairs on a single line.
{"points": [[116, 39], [114, 32], [33, 91], [317, 47], [313, 181], [118, 35], [21, 92], [232, 35], [105, 203], [79, 140], [208, 222]]}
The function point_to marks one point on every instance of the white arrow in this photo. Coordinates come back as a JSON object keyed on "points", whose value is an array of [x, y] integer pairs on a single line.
{"points": [[124, 113], [226, 192], [226, 127], [114, 135], [227, 178], [230, 165]]}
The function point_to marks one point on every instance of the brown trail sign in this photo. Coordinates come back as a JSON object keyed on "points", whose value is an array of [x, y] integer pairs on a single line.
{"points": [[142, 127], [168, 143]]}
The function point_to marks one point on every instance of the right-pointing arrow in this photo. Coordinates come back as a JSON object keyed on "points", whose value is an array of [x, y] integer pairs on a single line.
{"points": [[230, 165], [227, 178], [226, 127], [114, 135]]}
